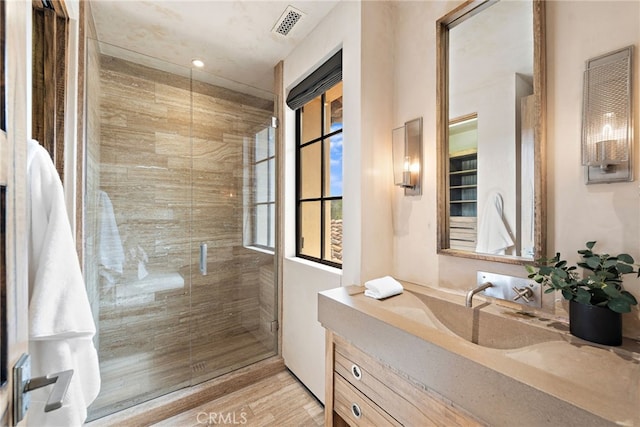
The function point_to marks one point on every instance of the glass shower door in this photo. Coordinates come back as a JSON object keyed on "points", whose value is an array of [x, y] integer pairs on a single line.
{"points": [[233, 304], [174, 163], [138, 210]]}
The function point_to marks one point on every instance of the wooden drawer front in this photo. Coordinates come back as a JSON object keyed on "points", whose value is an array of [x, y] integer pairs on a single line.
{"points": [[345, 397], [404, 400], [368, 384]]}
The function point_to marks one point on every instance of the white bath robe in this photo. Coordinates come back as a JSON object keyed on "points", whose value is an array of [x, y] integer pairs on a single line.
{"points": [[61, 326]]}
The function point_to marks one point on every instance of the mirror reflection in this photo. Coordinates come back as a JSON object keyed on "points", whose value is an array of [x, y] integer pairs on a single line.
{"points": [[490, 120]]}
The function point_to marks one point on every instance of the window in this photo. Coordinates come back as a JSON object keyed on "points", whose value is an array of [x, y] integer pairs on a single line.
{"points": [[319, 177], [263, 198]]}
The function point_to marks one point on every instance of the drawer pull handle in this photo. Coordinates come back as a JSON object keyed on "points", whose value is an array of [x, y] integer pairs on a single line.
{"points": [[357, 373], [356, 411]]}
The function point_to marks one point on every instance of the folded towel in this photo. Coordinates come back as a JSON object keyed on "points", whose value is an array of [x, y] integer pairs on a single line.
{"points": [[382, 287]]}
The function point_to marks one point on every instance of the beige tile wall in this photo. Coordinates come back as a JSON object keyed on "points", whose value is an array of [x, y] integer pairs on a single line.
{"points": [[174, 185]]}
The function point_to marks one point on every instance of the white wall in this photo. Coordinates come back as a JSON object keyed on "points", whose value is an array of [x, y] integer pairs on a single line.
{"points": [[302, 335], [576, 213], [607, 213], [365, 33], [414, 218], [376, 186]]}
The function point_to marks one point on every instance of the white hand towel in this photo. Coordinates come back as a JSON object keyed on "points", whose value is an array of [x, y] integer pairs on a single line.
{"points": [[382, 287], [493, 234], [61, 324]]}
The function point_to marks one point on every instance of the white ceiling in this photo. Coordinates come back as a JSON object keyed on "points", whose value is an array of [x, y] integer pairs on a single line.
{"points": [[234, 38]]}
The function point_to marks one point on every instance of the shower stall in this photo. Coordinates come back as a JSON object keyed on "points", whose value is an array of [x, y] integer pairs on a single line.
{"points": [[179, 214]]}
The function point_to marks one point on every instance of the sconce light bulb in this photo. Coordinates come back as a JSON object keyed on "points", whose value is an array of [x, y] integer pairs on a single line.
{"points": [[406, 166]]}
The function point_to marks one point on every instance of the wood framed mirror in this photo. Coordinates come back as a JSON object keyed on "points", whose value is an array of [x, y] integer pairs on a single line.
{"points": [[491, 131]]}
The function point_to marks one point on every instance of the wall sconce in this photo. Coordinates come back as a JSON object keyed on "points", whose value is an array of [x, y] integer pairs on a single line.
{"points": [[407, 157], [607, 128]]}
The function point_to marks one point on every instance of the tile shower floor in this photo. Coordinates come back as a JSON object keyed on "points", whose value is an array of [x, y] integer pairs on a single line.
{"points": [[129, 380]]}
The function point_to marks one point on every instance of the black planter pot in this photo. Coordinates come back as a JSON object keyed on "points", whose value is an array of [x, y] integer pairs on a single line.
{"points": [[595, 324]]}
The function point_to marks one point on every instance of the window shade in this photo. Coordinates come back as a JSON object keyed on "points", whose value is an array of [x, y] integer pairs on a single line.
{"points": [[318, 82]]}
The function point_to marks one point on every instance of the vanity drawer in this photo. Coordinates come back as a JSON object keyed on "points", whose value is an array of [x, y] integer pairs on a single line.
{"points": [[355, 408], [405, 401]]}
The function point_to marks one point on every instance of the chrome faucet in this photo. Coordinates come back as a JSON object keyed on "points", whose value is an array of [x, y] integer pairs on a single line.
{"points": [[472, 292]]}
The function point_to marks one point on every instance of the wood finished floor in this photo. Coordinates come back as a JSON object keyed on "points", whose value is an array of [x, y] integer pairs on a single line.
{"points": [[280, 400]]}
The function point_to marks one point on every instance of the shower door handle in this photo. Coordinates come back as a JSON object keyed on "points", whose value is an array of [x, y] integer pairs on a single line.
{"points": [[203, 259], [23, 383]]}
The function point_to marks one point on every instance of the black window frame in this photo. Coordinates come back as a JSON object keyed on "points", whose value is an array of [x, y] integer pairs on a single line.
{"points": [[323, 139], [270, 160]]}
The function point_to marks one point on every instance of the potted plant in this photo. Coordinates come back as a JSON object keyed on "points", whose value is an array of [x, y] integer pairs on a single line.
{"points": [[597, 301]]}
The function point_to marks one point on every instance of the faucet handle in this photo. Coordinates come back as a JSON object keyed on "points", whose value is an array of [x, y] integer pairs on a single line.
{"points": [[524, 293]]}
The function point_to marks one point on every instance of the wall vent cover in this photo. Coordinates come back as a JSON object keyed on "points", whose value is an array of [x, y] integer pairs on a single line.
{"points": [[287, 20]]}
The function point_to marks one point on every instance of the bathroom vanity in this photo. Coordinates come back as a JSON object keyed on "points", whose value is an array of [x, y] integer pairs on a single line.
{"points": [[366, 391], [422, 358]]}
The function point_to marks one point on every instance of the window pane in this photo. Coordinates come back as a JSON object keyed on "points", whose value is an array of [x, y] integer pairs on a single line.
{"points": [[333, 166], [333, 231], [262, 225], [272, 180], [333, 109], [272, 225], [272, 141], [262, 144], [310, 171], [310, 229], [262, 184], [311, 116]]}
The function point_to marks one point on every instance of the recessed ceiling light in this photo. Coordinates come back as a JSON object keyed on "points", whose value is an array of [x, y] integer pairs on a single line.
{"points": [[197, 63]]}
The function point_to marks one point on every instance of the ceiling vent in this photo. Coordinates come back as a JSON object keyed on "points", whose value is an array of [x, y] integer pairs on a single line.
{"points": [[287, 20]]}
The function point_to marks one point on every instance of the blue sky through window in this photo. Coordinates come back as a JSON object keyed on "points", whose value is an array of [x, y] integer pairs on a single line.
{"points": [[335, 153]]}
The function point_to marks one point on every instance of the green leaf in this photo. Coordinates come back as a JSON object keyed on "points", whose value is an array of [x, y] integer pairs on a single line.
{"points": [[611, 291], [559, 283], [566, 293], [583, 296], [629, 297], [545, 270], [610, 263], [584, 265], [561, 264], [590, 245], [626, 258], [619, 305], [549, 290], [530, 269], [624, 268], [561, 274], [593, 262]]}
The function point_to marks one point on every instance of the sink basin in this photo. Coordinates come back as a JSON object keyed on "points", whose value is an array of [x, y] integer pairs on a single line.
{"points": [[479, 326]]}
